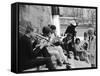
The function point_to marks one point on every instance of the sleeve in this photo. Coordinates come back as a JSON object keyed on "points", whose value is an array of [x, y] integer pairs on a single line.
{"points": [[77, 48], [67, 30]]}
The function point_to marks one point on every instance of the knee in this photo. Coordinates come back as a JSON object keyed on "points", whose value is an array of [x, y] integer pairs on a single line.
{"points": [[60, 48], [53, 58], [56, 53]]}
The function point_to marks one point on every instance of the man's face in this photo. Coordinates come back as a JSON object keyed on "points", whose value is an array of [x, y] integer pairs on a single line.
{"points": [[90, 32], [78, 41], [54, 31], [49, 35]]}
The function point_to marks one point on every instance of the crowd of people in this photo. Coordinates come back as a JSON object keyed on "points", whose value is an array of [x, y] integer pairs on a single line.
{"points": [[48, 48]]}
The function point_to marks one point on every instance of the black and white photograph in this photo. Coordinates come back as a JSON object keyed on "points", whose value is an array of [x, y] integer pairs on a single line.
{"points": [[54, 37]]}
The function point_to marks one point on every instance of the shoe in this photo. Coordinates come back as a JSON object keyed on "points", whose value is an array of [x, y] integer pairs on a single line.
{"points": [[66, 63], [76, 58], [59, 63], [92, 65], [69, 57], [68, 67]]}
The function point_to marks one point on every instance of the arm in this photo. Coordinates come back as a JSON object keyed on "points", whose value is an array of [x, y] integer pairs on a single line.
{"points": [[78, 48], [67, 30]]}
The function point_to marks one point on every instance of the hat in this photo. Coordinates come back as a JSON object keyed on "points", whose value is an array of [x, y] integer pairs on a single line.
{"points": [[73, 23], [53, 27]]}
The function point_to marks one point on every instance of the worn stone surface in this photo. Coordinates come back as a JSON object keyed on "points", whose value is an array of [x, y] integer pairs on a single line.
{"points": [[74, 64]]}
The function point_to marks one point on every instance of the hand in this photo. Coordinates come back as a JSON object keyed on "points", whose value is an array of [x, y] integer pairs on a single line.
{"points": [[43, 43], [69, 41]]}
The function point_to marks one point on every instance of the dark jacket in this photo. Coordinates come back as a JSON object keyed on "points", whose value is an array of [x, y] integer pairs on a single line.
{"points": [[28, 58], [25, 50], [71, 30]]}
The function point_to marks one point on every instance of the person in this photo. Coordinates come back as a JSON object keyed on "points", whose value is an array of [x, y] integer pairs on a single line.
{"points": [[71, 30], [78, 48], [28, 56], [52, 51], [85, 53], [54, 38], [69, 46], [57, 42], [92, 46], [57, 51], [85, 36]]}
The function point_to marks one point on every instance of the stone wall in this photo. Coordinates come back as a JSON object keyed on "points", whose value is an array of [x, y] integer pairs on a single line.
{"points": [[34, 15]]}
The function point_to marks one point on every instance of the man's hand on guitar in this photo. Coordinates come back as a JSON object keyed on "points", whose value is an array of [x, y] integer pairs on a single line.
{"points": [[43, 43]]}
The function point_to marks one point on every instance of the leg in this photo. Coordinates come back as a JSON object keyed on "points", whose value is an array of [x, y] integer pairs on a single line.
{"points": [[45, 52], [60, 50], [56, 54], [39, 61], [75, 54]]}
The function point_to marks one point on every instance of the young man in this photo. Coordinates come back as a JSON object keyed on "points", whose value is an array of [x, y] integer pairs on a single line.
{"points": [[57, 43], [27, 57], [54, 38], [47, 32]]}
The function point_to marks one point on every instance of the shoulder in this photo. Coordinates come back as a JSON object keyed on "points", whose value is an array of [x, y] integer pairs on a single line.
{"points": [[24, 38]]}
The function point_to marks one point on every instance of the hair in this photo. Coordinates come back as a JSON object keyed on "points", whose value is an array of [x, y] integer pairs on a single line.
{"points": [[53, 27], [46, 30], [77, 40], [28, 29], [85, 47], [90, 31]]}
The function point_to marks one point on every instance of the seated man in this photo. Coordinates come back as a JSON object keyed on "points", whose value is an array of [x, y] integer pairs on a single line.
{"points": [[52, 51], [55, 49], [27, 57], [58, 43]]}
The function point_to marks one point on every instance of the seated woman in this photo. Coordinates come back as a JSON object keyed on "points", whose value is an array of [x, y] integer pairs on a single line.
{"points": [[78, 48]]}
